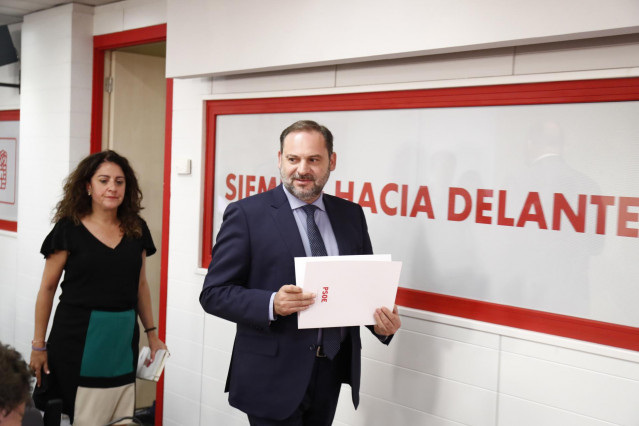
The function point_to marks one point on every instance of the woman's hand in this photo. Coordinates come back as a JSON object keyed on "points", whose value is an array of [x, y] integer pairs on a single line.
{"points": [[53, 268], [39, 363], [155, 344]]}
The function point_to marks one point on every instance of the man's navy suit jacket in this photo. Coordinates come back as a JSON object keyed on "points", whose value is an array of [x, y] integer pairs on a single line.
{"points": [[272, 362]]}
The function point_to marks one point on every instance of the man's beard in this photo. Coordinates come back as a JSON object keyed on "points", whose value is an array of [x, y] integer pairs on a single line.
{"points": [[309, 194]]}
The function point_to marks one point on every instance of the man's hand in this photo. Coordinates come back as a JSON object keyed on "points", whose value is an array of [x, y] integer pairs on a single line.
{"points": [[387, 322], [290, 299]]}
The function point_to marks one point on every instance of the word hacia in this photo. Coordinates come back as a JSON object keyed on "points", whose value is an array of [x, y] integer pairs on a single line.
{"points": [[489, 206]]}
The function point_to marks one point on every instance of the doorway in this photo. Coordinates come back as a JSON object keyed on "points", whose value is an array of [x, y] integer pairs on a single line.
{"points": [[133, 126], [132, 103]]}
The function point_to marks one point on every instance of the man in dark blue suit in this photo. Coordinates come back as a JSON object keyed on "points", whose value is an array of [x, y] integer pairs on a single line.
{"points": [[279, 374]]}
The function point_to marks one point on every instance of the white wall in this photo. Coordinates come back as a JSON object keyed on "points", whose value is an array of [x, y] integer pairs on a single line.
{"points": [[56, 64], [55, 71], [8, 285], [55, 105], [9, 100], [204, 35], [127, 15], [439, 370]]}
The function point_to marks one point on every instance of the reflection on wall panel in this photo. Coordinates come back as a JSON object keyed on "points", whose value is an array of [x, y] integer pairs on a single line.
{"points": [[520, 196]]}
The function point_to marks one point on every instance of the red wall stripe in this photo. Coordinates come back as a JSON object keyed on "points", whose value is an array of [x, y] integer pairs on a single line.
{"points": [[8, 225], [10, 115], [133, 37], [164, 264], [97, 99], [544, 322]]}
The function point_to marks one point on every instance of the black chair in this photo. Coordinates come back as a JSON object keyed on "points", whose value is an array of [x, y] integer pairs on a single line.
{"points": [[32, 416], [53, 412]]}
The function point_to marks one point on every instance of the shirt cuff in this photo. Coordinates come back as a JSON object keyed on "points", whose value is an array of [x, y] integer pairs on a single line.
{"points": [[271, 313]]}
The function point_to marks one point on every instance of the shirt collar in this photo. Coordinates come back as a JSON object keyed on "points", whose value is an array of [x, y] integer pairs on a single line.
{"points": [[296, 203]]}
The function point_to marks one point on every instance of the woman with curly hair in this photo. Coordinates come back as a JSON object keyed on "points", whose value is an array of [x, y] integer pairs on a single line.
{"points": [[100, 243]]}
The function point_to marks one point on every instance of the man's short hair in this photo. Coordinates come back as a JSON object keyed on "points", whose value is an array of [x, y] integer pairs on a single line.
{"points": [[15, 379], [308, 126]]}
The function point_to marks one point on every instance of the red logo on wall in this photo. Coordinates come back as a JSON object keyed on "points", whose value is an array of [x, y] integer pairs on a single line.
{"points": [[3, 169]]}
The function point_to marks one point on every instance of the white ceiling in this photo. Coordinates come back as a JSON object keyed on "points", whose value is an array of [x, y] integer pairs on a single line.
{"points": [[12, 11]]}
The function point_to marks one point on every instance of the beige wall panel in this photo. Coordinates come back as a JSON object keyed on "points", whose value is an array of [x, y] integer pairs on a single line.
{"points": [[483, 63], [376, 412], [445, 356], [312, 78], [591, 54], [566, 387], [515, 411], [136, 130], [609, 365], [224, 37], [430, 394]]}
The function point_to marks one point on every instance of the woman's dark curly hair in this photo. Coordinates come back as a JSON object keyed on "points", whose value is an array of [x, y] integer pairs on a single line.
{"points": [[76, 204], [15, 379]]}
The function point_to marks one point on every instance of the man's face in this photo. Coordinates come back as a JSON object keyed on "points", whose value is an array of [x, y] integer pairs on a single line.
{"points": [[305, 165]]}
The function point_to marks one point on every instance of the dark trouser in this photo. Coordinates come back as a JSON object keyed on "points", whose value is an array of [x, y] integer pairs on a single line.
{"points": [[320, 400]]}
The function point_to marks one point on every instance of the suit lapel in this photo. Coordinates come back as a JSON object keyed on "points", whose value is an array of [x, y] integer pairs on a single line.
{"points": [[285, 223]]}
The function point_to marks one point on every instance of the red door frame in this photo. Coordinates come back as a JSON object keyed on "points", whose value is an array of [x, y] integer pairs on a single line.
{"points": [[9, 115], [101, 44]]}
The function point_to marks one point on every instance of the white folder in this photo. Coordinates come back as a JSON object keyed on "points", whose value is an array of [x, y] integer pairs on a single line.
{"points": [[348, 289]]}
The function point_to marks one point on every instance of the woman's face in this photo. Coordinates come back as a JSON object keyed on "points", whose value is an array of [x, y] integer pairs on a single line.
{"points": [[107, 187]]}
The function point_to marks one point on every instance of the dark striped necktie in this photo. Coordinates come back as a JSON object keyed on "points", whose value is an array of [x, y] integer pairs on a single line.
{"points": [[331, 336]]}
